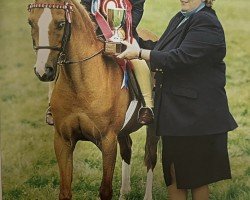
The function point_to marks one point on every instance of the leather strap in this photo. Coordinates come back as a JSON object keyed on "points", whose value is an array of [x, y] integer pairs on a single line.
{"points": [[103, 24]]}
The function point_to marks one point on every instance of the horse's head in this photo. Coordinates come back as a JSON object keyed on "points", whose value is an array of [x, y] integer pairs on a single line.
{"points": [[50, 30]]}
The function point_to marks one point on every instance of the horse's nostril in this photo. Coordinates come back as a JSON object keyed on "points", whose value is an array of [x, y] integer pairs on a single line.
{"points": [[49, 70], [48, 73]]}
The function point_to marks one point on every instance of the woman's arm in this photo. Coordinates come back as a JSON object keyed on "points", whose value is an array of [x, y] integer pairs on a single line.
{"points": [[204, 42]]}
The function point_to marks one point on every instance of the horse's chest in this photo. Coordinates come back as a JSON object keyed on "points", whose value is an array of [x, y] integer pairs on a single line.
{"points": [[84, 114], [74, 120]]}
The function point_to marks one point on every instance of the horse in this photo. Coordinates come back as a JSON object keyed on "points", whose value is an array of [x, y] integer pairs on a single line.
{"points": [[87, 101]]}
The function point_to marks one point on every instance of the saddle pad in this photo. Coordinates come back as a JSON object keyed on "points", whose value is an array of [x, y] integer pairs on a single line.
{"points": [[130, 111]]}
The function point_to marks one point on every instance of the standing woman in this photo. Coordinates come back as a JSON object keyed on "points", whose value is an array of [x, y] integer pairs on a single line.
{"points": [[191, 108]]}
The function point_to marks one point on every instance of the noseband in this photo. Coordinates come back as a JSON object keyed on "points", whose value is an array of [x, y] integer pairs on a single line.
{"points": [[68, 8]]}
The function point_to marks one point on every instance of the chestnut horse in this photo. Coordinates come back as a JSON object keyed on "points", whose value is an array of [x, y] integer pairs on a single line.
{"points": [[87, 102]]}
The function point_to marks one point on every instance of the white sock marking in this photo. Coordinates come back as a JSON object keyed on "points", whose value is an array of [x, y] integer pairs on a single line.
{"points": [[125, 189], [149, 185], [43, 54]]}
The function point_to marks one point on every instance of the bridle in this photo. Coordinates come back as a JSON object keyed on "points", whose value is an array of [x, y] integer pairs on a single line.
{"points": [[68, 8]]}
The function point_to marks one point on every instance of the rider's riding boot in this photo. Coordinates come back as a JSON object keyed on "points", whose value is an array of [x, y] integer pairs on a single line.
{"points": [[49, 118], [143, 76], [145, 116]]}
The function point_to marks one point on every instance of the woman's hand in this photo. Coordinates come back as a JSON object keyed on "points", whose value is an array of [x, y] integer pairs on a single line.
{"points": [[132, 51]]}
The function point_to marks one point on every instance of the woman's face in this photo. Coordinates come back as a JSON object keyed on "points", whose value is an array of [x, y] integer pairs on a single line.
{"points": [[189, 5]]}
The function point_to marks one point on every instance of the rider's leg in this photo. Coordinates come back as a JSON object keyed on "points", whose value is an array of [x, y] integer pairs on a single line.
{"points": [[143, 77]]}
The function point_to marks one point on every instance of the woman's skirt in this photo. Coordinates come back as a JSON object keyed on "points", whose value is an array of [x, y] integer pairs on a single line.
{"points": [[197, 160]]}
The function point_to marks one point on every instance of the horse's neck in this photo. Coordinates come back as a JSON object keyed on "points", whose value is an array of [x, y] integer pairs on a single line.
{"points": [[79, 73], [83, 44]]}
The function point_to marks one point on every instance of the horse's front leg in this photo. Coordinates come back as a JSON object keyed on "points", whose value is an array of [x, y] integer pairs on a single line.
{"points": [[64, 154], [109, 151]]}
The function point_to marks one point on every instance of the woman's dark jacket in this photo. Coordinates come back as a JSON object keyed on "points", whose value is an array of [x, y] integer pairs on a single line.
{"points": [[137, 12], [190, 98]]}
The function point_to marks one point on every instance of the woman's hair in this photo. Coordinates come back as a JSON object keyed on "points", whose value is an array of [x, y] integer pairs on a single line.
{"points": [[209, 3]]}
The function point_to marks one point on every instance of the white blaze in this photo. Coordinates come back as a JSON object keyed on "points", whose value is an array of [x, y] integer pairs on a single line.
{"points": [[43, 54]]}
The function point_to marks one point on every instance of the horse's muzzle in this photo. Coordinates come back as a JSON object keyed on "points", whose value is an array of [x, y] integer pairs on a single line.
{"points": [[48, 76]]}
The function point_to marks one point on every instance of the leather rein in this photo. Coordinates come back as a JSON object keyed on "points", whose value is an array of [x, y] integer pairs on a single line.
{"points": [[68, 8]]}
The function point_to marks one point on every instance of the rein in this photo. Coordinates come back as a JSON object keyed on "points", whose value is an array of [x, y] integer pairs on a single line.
{"points": [[68, 8], [78, 61]]}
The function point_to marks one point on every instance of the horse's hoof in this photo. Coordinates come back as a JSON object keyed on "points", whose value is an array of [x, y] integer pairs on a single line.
{"points": [[124, 193], [148, 197], [122, 197]]}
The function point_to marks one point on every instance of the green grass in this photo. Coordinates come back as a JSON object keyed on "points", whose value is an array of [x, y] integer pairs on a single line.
{"points": [[29, 168]]}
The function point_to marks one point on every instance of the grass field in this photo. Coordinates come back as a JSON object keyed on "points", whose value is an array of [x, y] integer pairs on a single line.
{"points": [[29, 168]]}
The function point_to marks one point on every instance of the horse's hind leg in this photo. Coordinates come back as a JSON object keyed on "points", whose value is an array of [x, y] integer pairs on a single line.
{"points": [[150, 159], [64, 154], [125, 144], [109, 151]]}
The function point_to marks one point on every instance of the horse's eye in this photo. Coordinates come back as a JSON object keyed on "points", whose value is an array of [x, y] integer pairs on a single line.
{"points": [[60, 25]]}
